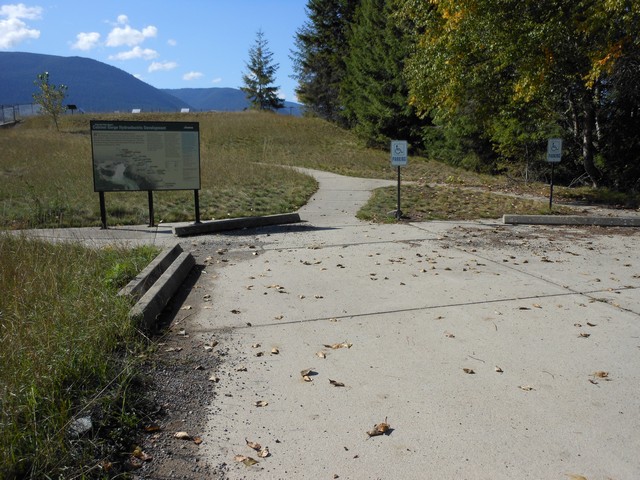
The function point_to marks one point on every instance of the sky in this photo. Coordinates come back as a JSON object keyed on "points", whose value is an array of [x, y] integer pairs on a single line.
{"points": [[165, 43]]}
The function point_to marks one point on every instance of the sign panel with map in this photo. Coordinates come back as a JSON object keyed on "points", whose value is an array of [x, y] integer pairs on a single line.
{"points": [[139, 156]]}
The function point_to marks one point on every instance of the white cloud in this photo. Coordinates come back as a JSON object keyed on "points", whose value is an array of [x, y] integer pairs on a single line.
{"points": [[216, 80], [12, 29], [171, 42], [126, 35], [122, 20], [86, 41], [192, 76], [135, 52], [20, 11], [162, 66]]}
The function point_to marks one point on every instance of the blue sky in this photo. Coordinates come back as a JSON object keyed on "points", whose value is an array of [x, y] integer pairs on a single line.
{"points": [[166, 43]]}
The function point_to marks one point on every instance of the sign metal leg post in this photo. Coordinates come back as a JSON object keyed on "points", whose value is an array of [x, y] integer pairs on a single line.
{"points": [[551, 189], [398, 211], [103, 211], [196, 201], [150, 194]]}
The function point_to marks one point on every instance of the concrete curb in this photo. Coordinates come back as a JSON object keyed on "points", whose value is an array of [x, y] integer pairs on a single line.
{"points": [[156, 284], [571, 220], [236, 224], [137, 287], [156, 298]]}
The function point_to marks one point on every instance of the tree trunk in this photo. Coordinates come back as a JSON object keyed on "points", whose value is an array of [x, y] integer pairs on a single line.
{"points": [[588, 148]]}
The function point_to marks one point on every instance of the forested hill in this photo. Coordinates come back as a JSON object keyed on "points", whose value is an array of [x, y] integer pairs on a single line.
{"points": [[93, 86]]}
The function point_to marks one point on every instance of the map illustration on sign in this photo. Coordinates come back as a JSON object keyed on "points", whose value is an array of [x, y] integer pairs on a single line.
{"points": [[145, 156]]}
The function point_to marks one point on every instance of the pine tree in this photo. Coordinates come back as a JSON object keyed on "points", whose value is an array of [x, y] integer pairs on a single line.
{"points": [[374, 93], [322, 45], [259, 80]]}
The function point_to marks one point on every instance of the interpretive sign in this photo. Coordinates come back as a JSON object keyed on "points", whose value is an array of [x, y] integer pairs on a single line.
{"points": [[147, 156]]}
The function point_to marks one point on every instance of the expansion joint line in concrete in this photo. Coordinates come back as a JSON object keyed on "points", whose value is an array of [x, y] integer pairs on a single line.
{"points": [[439, 306], [541, 278]]}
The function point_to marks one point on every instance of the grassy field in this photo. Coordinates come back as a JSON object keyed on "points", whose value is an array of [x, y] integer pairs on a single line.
{"points": [[66, 344], [46, 176]]}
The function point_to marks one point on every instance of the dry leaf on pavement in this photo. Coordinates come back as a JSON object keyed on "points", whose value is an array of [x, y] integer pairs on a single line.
{"points": [[335, 383], [379, 429], [261, 403], [253, 445], [470, 371], [264, 453], [335, 346]]}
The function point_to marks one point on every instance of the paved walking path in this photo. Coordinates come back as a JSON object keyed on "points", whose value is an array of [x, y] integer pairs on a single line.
{"points": [[533, 312]]}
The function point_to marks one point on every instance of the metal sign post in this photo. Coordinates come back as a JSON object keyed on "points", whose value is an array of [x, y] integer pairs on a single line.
{"points": [[554, 155], [398, 159]]}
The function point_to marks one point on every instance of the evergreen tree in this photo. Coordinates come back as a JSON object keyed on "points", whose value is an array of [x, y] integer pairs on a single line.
{"points": [[374, 93], [321, 46], [258, 81]]}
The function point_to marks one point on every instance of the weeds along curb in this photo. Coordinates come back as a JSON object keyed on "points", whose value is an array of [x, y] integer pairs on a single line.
{"points": [[571, 220], [156, 284]]}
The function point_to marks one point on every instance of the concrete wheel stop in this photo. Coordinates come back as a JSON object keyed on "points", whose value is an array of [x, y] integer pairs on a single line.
{"points": [[571, 220], [236, 224], [156, 284]]}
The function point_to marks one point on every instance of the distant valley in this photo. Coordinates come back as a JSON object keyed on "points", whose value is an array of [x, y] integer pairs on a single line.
{"points": [[97, 87]]}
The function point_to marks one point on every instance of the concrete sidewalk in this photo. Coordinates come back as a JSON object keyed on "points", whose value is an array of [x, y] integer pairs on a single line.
{"points": [[534, 312]]}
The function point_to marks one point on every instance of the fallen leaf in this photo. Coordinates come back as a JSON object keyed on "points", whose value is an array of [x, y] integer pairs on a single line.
{"points": [[248, 461], [152, 428], [601, 374], [182, 436], [584, 335], [275, 351], [573, 476], [335, 346], [186, 307], [498, 369], [197, 440], [278, 317], [321, 354], [591, 324], [335, 383], [264, 453], [253, 445], [235, 311], [449, 335], [261, 403], [318, 296], [140, 454], [173, 349], [469, 371], [214, 379], [256, 345], [536, 305], [259, 354], [241, 369], [379, 429], [526, 388], [182, 333]]}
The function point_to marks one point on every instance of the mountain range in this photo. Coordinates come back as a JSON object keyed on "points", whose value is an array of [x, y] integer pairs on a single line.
{"points": [[94, 86]]}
